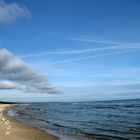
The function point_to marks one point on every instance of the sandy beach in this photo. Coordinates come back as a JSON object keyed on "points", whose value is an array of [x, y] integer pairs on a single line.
{"points": [[12, 129]]}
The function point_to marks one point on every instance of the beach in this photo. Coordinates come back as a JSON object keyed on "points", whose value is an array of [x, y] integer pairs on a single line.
{"points": [[12, 129]]}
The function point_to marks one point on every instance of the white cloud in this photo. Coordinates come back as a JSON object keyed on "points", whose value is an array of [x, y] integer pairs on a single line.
{"points": [[11, 12], [15, 70], [6, 85]]}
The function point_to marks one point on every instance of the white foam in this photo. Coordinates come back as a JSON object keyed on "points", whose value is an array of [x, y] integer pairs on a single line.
{"points": [[12, 113]]}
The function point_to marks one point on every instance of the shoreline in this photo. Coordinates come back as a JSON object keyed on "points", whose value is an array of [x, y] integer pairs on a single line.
{"points": [[13, 129]]}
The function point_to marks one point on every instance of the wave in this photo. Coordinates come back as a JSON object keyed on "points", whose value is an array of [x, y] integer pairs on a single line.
{"points": [[85, 121]]}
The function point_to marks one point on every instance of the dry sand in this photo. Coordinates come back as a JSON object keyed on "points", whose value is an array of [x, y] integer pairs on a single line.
{"points": [[12, 129]]}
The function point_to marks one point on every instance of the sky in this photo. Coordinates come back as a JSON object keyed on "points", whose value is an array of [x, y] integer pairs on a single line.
{"points": [[69, 50]]}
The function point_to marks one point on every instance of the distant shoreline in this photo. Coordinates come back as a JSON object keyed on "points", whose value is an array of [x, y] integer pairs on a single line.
{"points": [[18, 130], [8, 103]]}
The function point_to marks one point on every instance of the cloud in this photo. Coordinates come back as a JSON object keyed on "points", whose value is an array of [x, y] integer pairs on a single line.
{"points": [[11, 12], [94, 56], [89, 40], [6, 85], [89, 50], [15, 70], [123, 47], [126, 91]]}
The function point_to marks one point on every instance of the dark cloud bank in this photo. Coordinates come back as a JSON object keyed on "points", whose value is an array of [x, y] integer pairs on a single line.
{"points": [[15, 74]]}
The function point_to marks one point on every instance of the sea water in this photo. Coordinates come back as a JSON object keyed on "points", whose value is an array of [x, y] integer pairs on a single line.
{"points": [[116, 120]]}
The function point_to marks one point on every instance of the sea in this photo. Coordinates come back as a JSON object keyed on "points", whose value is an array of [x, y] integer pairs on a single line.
{"points": [[96, 120]]}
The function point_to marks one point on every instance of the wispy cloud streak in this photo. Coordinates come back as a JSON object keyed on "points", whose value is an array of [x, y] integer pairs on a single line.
{"points": [[116, 47], [90, 40], [94, 56], [125, 47]]}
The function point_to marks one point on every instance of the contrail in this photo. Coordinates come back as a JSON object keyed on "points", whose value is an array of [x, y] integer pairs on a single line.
{"points": [[89, 50], [89, 40], [42, 35], [94, 56], [116, 47]]}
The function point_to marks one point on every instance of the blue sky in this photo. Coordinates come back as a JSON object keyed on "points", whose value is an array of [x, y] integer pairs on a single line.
{"points": [[86, 49]]}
